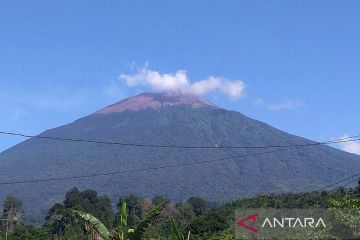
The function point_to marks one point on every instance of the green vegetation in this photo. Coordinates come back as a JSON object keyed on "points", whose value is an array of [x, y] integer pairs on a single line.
{"points": [[177, 233], [84, 214], [95, 227], [296, 169], [344, 223], [12, 210]]}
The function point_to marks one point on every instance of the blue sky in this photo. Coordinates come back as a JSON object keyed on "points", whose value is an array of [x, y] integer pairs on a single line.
{"points": [[299, 61]]}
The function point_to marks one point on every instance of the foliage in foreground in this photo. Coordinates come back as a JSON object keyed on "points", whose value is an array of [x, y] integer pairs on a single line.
{"points": [[173, 221], [122, 232]]}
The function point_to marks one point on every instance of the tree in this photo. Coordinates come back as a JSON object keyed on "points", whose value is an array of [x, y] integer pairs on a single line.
{"points": [[159, 199], [357, 190], [55, 220], [347, 202], [198, 205], [342, 220], [13, 213], [29, 232], [72, 198], [89, 201], [209, 223], [60, 219]]}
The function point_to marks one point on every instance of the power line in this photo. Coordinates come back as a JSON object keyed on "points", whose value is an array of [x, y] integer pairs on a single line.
{"points": [[284, 147], [343, 186], [340, 140], [341, 181], [137, 170], [169, 166], [347, 184], [155, 168]]}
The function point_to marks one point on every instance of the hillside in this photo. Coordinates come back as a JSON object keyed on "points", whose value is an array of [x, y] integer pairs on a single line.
{"points": [[168, 119]]}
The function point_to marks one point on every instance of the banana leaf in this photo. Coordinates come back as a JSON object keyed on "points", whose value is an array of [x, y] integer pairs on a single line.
{"points": [[95, 223]]}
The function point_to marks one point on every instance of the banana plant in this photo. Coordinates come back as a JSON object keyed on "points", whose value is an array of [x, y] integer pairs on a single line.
{"points": [[98, 231], [177, 233], [94, 226]]}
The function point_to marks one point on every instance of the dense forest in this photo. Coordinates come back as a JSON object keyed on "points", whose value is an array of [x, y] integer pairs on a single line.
{"points": [[84, 212]]}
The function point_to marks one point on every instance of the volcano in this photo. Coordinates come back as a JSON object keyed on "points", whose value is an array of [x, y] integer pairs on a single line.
{"points": [[172, 120]]}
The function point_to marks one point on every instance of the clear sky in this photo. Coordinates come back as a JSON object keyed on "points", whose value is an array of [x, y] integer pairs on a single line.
{"points": [[298, 61]]}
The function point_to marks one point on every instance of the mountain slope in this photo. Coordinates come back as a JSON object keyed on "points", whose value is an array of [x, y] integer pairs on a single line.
{"points": [[172, 119]]}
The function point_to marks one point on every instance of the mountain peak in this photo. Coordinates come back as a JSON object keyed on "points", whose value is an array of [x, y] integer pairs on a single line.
{"points": [[151, 100]]}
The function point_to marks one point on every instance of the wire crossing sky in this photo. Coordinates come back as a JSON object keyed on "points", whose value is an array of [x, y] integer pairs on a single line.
{"points": [[294, 65]]}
